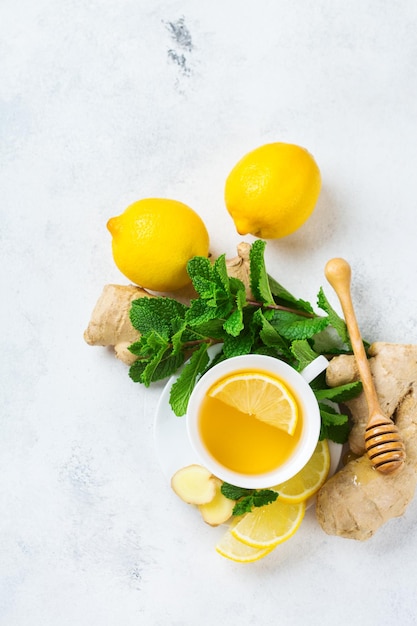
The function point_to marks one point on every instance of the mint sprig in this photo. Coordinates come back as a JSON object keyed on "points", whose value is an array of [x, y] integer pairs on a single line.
{"points": [[247, 499], [273, 322]]}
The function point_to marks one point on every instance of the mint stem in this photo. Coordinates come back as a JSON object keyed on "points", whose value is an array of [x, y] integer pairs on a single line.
{"points": [[279, 307], [198, 342]]}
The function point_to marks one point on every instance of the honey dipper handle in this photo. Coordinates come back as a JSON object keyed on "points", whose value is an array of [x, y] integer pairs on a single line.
{"points": [[338, 273]]}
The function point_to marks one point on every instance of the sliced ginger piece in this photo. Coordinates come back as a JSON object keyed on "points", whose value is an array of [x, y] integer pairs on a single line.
{"points": [[194, 484], [219, 509]]}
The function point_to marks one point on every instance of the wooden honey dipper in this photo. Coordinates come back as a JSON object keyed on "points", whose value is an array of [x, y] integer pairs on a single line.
{"points": [[383, 442]]}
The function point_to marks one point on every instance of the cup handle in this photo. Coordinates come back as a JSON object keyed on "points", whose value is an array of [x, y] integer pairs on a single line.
{"points": [[314, 368]]}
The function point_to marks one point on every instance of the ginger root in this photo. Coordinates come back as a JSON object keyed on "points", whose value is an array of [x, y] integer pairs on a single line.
{"points": [[239, 267], [358, 500], [194, 484], [394, 370], [219, 509], [110, 323]]}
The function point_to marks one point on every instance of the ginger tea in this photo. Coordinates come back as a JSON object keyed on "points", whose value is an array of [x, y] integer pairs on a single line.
{"points": [[241, 442]]}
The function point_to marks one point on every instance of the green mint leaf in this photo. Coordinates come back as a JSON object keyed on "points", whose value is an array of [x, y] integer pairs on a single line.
{"points": [[211, 281], [234, 323], [233, 346], [205, 288], [329, 342], [237, 346], [247, 499], [245, 505], [256, 499], [220, 274], [136, 370], [183, 386], [200, 266], [145, 317], [179, 335], [261, 497], [334, 319], [261, 349], [319, 382], [140, 347], [155, 314], [237, 288], [334, 426], [201, 310], [151, 366], [268, 334], [285, 298], [293, 326], [234, 493], [331, 415], [158, 360], [148, 344], [162, 365], [212, 328], [337, 433], [168, 365], [259, 280], [239, 300], [200, 313], [243, 343], [303, 353], [155, 341], [342, 393]]}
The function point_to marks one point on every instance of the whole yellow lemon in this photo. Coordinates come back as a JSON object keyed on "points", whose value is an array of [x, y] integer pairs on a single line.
{"points": [[272, 190], [153, 240]]}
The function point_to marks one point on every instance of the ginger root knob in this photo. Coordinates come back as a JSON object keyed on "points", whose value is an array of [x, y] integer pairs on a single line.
{"points": [[110, 323]]}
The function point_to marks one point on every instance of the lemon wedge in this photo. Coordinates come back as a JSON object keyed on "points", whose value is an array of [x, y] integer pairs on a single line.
{"points": [[235, 550], [268, 526], [309, 479]]}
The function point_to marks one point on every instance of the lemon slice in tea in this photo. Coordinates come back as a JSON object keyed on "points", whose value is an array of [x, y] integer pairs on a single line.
{"points": [[260, 395]]}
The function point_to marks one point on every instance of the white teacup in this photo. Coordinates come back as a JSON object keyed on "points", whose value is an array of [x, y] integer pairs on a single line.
{"points": [[297, 383]]}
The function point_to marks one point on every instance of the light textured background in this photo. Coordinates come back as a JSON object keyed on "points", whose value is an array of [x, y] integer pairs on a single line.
{"points": [[103, 103]]}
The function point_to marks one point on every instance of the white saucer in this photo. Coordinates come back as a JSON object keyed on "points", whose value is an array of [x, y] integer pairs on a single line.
{"points": [[173, 448]]}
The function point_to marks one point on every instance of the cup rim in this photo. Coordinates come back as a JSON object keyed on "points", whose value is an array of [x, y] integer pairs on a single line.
{"points": [[310, 432]]}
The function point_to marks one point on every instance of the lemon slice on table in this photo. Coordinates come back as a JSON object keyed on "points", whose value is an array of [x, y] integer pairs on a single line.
{"points": [[235, 550], [309, 479], [260, 395], [267, 526]]}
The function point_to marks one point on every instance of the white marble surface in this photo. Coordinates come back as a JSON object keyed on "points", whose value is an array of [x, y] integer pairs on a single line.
{"points": [[102, 103]]}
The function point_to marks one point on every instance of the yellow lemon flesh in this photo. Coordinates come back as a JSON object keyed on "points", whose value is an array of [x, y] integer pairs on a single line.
{"points": [[273, 190], [153, 240], [236, 550], [308, 481], [260, 395], [268, 526]]}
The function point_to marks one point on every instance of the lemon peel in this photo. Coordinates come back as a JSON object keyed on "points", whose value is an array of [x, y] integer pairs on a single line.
{"points": [[153, 240], [235, 550], [272, 190]]}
